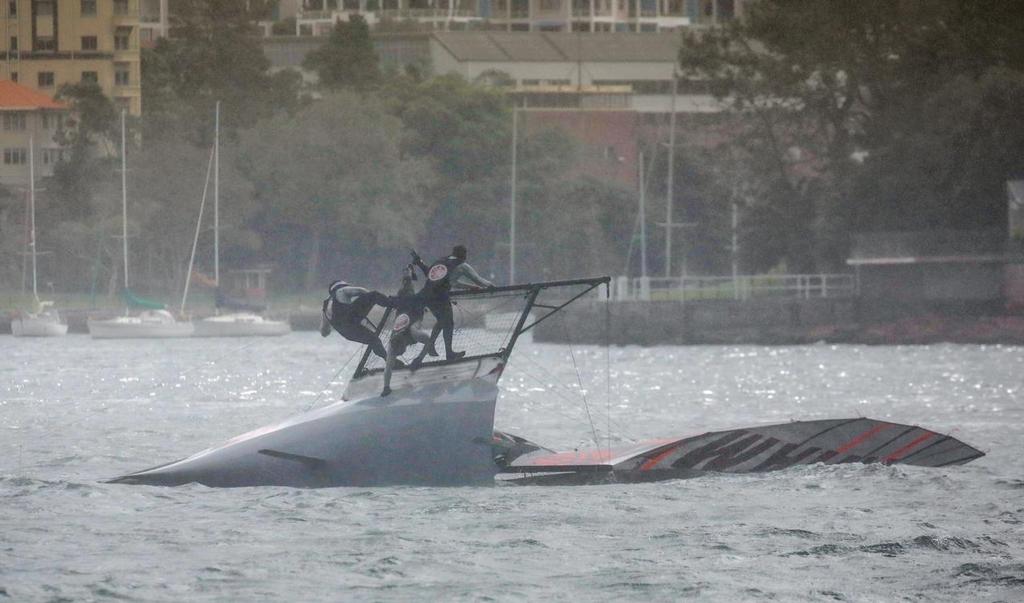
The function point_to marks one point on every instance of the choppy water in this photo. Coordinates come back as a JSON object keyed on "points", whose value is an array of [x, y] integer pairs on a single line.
{"points": [[74, 411]]}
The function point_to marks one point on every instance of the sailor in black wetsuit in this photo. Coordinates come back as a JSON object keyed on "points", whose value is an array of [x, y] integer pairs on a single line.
{"points": [[405, 328], [441, 276], [345, 309]]}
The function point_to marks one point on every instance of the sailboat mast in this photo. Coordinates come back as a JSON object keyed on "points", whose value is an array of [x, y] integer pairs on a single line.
{"points": [[124, 201], [32, 212], [216, 195], [512, 197]]}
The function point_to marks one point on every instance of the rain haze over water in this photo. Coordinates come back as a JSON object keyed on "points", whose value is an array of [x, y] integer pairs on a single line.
{"points": [[76, 411]]}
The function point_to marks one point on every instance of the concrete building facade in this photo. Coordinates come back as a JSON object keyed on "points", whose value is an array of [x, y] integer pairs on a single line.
{"points": [[46, 43], [317, 17], [27, 114]]}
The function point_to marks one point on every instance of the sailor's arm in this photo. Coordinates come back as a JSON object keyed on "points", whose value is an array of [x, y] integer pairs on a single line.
{"points": [[418, 262], [466, 271], [348, 294]]}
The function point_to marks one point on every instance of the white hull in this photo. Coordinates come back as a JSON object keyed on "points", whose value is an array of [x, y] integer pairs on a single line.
{"points": [[434, 435], [148, 325], [242, 324], [38, 326]]}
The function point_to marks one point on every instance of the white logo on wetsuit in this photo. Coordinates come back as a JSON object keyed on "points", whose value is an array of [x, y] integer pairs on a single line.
{"points": [[437, 272], [401, 322]]}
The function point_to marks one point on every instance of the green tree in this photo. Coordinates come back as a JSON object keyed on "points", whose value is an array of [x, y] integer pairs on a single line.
{"points": [[822, 86], [334, 182], [347, 59], [212, 55]]}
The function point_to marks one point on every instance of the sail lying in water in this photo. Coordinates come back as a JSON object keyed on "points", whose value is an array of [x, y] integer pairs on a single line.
{"points": [[749, 450]]}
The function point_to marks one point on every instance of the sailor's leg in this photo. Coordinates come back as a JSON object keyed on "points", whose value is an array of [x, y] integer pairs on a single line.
{"points": [[446, 320], [387, 368], [325, 322], [361, 334]]}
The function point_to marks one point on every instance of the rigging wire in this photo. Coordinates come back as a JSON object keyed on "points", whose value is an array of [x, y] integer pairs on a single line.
{"points": [[608, 367], [554, 386], [583, 393], [333, 379], [220, 357]]}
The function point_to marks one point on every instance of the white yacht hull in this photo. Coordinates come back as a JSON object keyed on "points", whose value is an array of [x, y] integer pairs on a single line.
{"points": [[241, 324], [438, 434], [148, 325], [38, 326]]}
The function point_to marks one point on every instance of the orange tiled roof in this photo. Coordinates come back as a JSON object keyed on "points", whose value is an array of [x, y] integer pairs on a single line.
{"points": [[15, 96]]}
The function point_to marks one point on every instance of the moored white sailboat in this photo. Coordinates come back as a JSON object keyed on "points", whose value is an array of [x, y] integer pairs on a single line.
{"points": [[153, 322], [240, 321], [45, 321]]}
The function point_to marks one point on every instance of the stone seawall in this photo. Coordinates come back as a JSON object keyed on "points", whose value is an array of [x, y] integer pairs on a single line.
{"points": [[763, 321]]}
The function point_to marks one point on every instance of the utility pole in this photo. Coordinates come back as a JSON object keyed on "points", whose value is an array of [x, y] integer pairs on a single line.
{"points": [[735, 251], [670, 184], [643, 220], [216, 194], [512, 198], [124, 200]]}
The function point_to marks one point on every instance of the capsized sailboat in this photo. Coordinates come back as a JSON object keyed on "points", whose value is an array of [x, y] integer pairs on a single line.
{"points": [[44, 320], [437, 425]]}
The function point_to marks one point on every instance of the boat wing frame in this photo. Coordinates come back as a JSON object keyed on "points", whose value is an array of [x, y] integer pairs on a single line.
{"points": [[531, 291]]}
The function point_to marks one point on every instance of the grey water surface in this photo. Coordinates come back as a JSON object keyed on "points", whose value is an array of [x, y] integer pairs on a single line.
{"points": [[74, 411]]}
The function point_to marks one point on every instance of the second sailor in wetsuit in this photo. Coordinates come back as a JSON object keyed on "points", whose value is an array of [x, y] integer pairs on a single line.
{"points": [[405, 329], [345, 308], [442, 275]]}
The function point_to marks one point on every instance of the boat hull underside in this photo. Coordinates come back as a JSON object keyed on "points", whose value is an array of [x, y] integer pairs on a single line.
{"points": [[377, 441]]}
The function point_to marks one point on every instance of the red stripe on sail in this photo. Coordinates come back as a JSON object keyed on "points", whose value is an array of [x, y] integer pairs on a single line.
{"points": [[859, 439], [651, 462], [903, 451]]}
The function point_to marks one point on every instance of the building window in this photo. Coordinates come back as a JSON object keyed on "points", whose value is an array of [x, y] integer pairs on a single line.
{"points": [[14, 43], [14, 122], [550, 5], [12, 8], [122, 38], [49, 121], [120, 7], [88, 8], [52, 156], [44, 8], [45, 79], [89, 43], [122, 75], [44, 43], [15, 156], [90, 76], [14, 76]]}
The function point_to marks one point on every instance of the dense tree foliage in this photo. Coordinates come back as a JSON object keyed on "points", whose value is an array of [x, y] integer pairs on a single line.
{"points": [[212, 56], [868, 116], [347, 59]]}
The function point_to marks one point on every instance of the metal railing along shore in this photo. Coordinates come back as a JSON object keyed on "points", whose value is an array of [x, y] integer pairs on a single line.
{"points": [[742, 287]]}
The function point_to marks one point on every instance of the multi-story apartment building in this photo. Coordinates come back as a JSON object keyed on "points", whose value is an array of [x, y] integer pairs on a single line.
{"points": [[27, 114], [48, 43], [317, 17]]}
